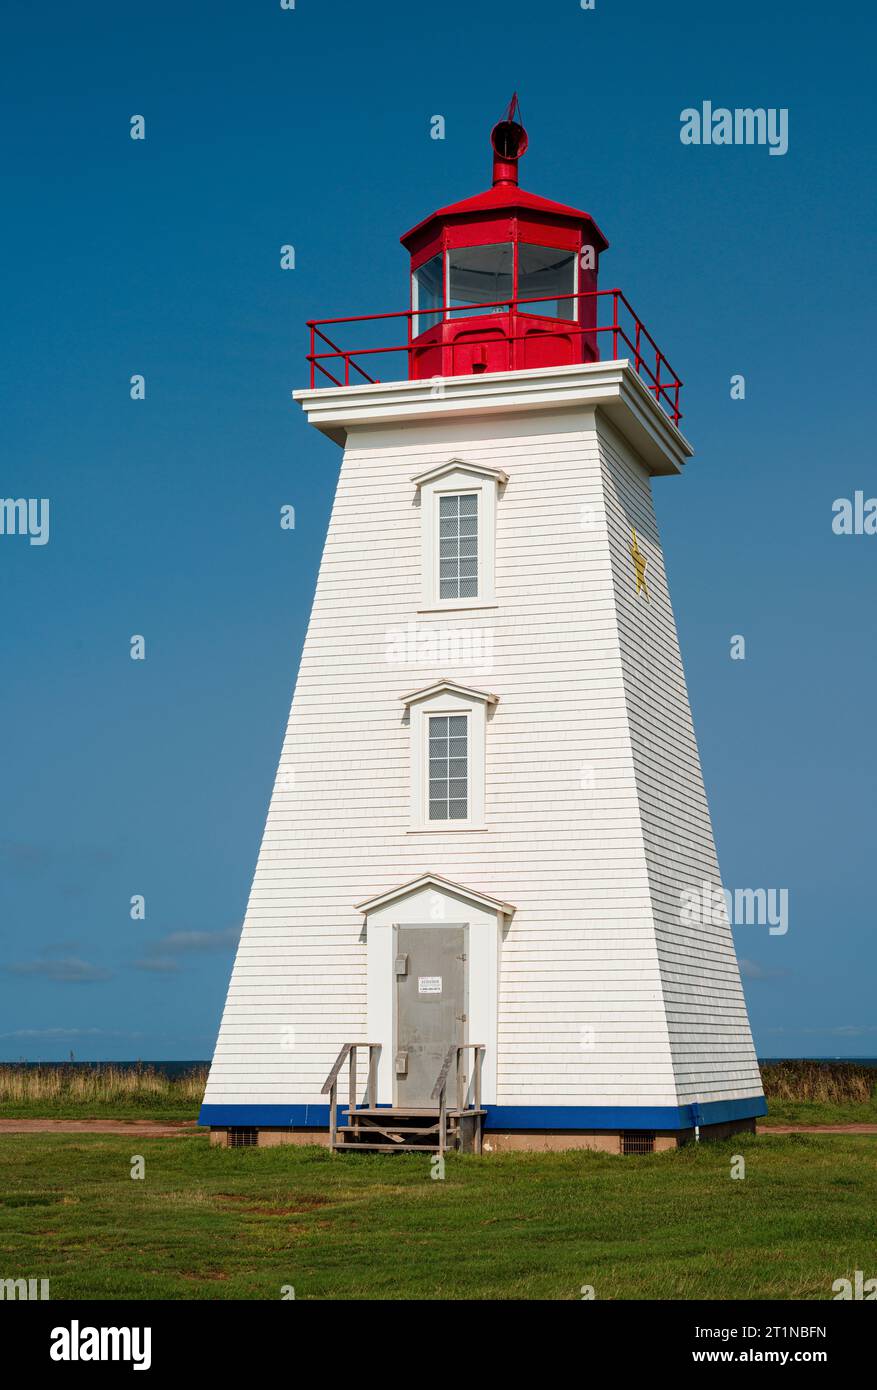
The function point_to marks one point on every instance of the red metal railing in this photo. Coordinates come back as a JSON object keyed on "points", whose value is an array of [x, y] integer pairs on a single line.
{"points": [[625, 327]]}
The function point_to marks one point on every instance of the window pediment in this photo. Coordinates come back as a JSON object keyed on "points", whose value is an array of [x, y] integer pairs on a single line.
{"points": [[448, 687], [443, 470]]}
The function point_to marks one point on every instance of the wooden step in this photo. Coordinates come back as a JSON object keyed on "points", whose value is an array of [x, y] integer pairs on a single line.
{"points": [[391, 1112], [388, 1129], [387, 1148], [386, 1112]]}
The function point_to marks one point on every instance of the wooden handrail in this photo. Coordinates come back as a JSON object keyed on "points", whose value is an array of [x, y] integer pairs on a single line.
{"points": [[455, 1049], [442, 1078], [440, 1087], [339, 1063], [331, 1083]]}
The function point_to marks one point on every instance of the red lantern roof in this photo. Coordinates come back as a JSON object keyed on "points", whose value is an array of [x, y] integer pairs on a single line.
{"points": [[509, 140], [500, 198]]}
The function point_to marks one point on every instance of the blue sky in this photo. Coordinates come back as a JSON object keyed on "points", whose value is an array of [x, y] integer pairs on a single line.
{"points": [[312, 127]]}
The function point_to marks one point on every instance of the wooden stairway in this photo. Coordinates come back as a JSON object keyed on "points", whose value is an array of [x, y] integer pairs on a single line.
{"points": [[396, 1130], [431, 1128]]}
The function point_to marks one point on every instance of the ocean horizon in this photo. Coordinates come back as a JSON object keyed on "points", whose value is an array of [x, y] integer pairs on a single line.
{"points": [[178, 1067]]}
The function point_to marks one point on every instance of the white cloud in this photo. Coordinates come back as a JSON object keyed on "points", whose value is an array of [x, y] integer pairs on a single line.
{"points": [[64, 969]]}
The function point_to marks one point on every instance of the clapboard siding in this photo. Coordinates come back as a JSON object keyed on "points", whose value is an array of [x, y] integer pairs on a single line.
{"points": [[598, 989]]}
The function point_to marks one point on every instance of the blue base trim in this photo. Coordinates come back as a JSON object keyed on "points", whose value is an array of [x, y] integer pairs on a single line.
{"points": [[551, 1117], [622, 1116], [284, 1116]]}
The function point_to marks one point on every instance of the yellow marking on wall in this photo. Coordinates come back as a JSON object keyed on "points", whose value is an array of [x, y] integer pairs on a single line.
{"points": [[639, 564]]}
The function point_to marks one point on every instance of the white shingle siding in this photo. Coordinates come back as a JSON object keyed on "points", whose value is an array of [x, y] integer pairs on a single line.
{"points": [[595, 805], [713, 1054]]}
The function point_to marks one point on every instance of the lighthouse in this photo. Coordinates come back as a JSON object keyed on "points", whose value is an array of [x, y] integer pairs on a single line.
{"points": [[470, 923]]}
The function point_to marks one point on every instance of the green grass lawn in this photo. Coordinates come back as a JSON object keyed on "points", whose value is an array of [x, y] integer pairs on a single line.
{"points": [[820, 1112], [239, 1224], [161, 1109]]}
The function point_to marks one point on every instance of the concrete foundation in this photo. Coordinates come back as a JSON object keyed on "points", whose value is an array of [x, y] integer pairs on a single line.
{"points": [[524, 1141], [270, 1138], [605, 1141]]}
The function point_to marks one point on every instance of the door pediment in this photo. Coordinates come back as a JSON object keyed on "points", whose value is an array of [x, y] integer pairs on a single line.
{"points": [[438, 884]]}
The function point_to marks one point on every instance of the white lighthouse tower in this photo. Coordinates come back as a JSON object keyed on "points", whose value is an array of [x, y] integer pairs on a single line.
{"points": [[470, 923]]}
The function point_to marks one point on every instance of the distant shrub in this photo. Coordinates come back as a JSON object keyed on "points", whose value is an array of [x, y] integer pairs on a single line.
{"points": [[78, 1085], [829, 1082]]}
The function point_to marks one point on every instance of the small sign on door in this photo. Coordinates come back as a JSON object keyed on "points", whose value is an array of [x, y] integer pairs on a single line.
{"points": [[429, 984]]}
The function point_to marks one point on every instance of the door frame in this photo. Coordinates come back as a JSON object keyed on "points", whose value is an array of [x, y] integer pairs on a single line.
{"points": [[426, 926], [434, 899]]}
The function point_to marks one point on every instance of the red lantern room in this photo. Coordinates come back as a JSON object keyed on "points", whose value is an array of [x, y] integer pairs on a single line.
{"points": [[503, 280]]}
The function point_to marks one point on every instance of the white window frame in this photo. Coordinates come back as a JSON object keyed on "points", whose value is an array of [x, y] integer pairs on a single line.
{"points": [[458, 478], [448, 822], [436, 585], [445, 698]]}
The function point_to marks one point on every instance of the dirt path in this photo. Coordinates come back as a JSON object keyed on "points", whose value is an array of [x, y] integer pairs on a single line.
{"points": [[149, 1129], [153, 1129], [817, 1129]]}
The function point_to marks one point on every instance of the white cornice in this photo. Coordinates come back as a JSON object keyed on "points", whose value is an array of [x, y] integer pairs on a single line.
{"points": [[612, 387]]}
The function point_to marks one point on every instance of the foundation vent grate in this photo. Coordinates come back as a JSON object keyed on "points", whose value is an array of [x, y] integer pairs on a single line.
{"points": [[637, 1142], [243, 1138]]}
